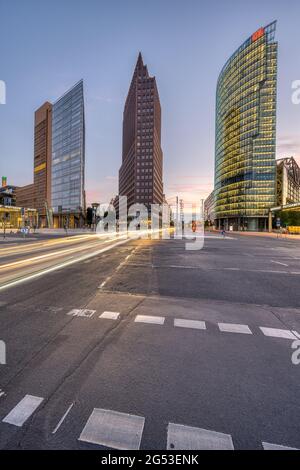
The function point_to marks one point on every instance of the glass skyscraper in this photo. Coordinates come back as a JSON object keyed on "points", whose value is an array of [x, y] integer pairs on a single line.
{"points": [[245, 166], [68, 158]]}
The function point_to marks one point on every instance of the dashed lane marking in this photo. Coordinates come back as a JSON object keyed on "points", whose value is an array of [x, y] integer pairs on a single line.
{"points": [[190, 324], [231, 328], [268, 446], [113, 429], [110, 315], [281, 264], [276, 333], [187, 438], [23, 410], [149, 319]]}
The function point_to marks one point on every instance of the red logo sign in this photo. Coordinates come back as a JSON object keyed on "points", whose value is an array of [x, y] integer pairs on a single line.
{"points": [[258, 34]]}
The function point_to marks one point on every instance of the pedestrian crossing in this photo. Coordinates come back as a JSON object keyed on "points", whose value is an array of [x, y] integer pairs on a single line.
{"points": [[23, 410], [189, 438], [124, 431], [113, 429], [188, 324]]}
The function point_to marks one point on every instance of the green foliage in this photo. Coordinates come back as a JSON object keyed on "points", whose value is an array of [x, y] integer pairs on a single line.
{"points": [[289, 218]]}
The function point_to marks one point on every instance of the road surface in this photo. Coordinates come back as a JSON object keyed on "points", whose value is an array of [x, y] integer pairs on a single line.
{"points": [[147, 345]]}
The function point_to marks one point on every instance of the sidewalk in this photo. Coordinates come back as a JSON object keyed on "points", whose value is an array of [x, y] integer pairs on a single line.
{"points": [[263, 234]]}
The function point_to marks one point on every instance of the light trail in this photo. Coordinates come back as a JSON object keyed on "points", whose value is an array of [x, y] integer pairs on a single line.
{"points": [[48, 243], [18, 268], [60, 266]]}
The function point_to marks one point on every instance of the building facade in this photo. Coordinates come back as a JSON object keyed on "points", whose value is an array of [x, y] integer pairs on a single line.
{"points": [[141, 173], [8, 195], [288, 182], [68, 159], [17, 217], [25, 196], [245, 154], [42, 161], [209, 209]]}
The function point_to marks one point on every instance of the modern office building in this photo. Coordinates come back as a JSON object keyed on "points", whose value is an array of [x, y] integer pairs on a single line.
{"points": [[209, 209], [288, 182], [245, 160], [68, 158], [42, 162], [141, 173], [25, 196]]}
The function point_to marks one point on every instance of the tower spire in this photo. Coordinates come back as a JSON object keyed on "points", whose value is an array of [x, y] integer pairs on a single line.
{"points": [[140, 62]]}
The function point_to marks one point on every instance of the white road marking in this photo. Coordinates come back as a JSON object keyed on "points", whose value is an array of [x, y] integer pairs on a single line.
{"points": [[110, 315], [62, 419], [187, 438], [105, 282], [120, 266], [231, 328], [268, 446], [281, 264], [276, 333], [112, 429], [85, 313], [23, 410], [296, 334], [192, 324], [149, 319]]}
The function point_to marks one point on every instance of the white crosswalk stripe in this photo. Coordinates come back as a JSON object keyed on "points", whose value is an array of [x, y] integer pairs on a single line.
{"points": [[124, 431], [191, 324], [187, 438], [23, 410], [232, 328], [268, 446], [149, 319], [110, 315], [276, 333], [113, 429]]}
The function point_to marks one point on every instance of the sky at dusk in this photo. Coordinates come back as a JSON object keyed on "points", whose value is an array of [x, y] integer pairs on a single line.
{"points": [[47, 46]]}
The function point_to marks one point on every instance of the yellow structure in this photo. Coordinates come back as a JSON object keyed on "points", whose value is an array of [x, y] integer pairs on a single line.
{"points": [[13, 218], [294, 230]]}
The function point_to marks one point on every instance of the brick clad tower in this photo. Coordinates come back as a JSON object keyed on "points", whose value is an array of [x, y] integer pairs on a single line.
{"points": [[141, 173]]}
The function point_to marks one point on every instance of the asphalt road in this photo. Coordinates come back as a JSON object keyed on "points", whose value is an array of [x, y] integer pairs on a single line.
{"points": [[221, 376]]}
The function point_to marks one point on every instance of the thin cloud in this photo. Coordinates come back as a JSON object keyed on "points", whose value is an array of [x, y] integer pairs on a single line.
{"points": [[289, 144]]}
